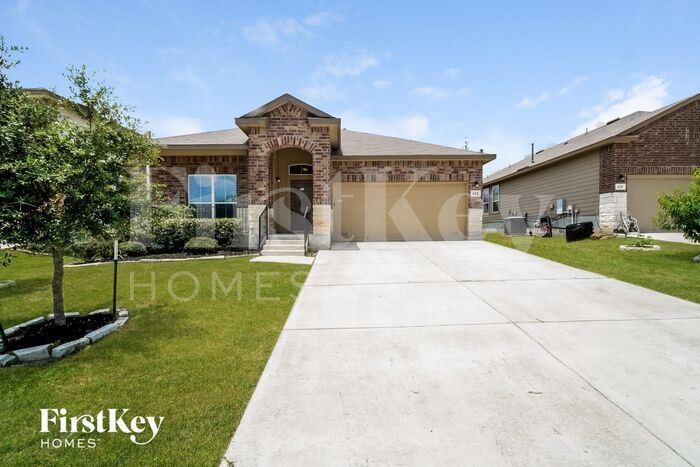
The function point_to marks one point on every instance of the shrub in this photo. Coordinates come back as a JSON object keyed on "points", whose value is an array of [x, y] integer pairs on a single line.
{"points": [[641, 241], [173, 234], [201, 245], [229, 232], [132, 249], [681, 210], [93, 249]]}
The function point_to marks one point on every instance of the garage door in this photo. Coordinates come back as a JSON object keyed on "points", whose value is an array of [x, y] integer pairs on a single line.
{"points": [[642, 192], [377, 211]]}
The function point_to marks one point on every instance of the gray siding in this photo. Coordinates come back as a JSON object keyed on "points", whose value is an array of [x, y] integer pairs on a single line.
{"points": [[575, 179]]}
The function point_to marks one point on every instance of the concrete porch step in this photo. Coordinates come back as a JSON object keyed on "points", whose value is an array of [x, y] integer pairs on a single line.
{"points": [[286, 237], [270, 252], [284, 246], [285, 242]]}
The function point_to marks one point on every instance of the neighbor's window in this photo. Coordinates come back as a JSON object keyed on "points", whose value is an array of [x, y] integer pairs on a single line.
{"points": [[495, 197], [212, 195], [301, 169], [485, 195]]}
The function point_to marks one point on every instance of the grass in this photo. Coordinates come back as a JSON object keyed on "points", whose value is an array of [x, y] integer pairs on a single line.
{"points": [[670, 270], [195, 362]]}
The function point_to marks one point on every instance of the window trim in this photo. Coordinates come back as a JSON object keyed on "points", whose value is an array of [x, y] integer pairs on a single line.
{"points": [[213, 203], [497, 199], [296, 164], [486, 199]]}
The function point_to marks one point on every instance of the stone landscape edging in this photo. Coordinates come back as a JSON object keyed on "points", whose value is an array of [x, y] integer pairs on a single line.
{"points": [[639, 248], [48, 352], [158, 260]]}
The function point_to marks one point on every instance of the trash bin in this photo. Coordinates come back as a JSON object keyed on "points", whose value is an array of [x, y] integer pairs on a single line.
{"points": [[546, 226], [579, 231], [516, 225]]}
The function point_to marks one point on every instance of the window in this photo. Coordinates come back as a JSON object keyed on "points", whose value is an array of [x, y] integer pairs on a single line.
{"points": [[212, 195], [485, 195], [495, 198], [301, 169]]}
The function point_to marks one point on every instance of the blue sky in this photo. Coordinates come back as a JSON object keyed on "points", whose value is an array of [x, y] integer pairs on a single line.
{"points": [[500, 74]]}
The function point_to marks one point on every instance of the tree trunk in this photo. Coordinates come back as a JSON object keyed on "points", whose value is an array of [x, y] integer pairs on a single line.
{"points": [[57, 286]]}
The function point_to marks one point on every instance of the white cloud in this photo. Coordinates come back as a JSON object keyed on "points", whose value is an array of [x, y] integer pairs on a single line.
{"points": [[189, 77], [21, 6], [349, 64], [323, 92], [649, 93], [322, 19], [381, 84], [528, 102], [414, 126], [172, 126], [437, 93], [279, 33], [452, 72]]}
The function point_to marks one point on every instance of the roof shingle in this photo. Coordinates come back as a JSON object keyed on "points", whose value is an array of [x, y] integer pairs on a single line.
{"points": [[353, 143], [578, 143]]}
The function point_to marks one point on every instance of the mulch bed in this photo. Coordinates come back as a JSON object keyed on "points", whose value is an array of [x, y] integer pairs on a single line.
{"points": [[48, 332]]}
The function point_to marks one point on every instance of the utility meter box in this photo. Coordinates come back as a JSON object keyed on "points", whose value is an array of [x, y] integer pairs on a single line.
{"points": [[560, 206]]}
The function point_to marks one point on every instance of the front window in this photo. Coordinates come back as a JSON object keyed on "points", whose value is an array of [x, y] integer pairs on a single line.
{"points": [[212, 195], [496, 198], [485, 195], [301, 169]]}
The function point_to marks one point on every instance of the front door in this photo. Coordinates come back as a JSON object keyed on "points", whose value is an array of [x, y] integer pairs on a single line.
{"points": [[302, 194]]}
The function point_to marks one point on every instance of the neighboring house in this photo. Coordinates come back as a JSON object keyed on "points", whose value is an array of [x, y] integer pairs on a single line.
{"points": [[288, 158], [64, 109], [616, 168]]}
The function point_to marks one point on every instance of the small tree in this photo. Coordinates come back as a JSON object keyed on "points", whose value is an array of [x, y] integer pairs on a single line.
{"points": [[681, 210], [60, 180]]}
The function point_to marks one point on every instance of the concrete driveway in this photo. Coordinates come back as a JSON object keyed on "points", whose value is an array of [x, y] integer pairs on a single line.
{"points": [[435, 353]]}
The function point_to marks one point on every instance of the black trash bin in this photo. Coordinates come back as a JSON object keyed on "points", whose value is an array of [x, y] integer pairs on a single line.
{"points": [[579, 231]]}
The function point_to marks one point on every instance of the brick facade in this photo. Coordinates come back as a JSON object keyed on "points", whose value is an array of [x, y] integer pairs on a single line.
{"points": [[667, 146], [174, 171], [288, 127], [469, 171]]}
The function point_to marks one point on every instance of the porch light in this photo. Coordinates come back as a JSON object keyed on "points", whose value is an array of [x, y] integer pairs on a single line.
{"points": [[278, 179]]}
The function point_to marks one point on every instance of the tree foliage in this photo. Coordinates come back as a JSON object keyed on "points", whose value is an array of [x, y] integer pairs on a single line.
{"points": [[61, 180], [681, 210]]}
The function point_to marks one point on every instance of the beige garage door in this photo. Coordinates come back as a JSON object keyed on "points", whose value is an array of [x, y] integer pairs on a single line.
{"points": [[377, 211], [642, 192]]}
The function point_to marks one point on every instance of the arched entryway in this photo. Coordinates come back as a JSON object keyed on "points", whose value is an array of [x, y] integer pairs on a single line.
{"points": [[291, 198]]}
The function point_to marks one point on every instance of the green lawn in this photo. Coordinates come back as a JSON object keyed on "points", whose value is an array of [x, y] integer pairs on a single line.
{"points": [[670, 270], [194, 362]]}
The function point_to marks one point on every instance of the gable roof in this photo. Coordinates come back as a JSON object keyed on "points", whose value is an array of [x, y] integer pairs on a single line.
{"points": [[353, 144], [356, 144], [616, 131], [283, 99], [231, 138]]}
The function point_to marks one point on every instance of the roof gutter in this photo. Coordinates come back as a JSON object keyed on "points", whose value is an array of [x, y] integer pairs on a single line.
{"points": [[471, 157], [205, 146]]}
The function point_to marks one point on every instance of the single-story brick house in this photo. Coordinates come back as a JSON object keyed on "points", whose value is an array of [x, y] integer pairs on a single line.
{"points": [[619, 167], [287, 159]]}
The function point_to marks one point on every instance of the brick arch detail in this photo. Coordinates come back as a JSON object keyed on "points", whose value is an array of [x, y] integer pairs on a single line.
{"points": [[273, 145]]}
